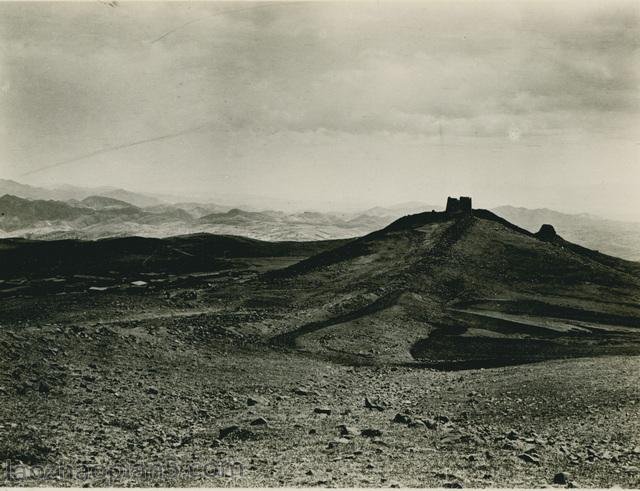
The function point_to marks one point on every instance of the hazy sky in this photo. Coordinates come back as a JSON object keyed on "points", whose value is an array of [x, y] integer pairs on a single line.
{"points": [[532, 104]]}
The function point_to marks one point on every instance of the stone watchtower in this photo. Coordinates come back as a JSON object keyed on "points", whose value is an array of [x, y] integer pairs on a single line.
{"points": [[462, 205]]}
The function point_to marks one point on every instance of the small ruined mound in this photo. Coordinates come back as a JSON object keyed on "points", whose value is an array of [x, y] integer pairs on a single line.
{"points": [[546, 232]]}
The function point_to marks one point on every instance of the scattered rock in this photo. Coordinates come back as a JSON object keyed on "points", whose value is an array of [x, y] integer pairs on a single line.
{"points": [[529, 458], [304, 392], [513, 435], [216, 443], [453, 485], [337, 442], [152, 390], [402, 419], [371, 432], [442, 419], [373, 405], [430, 423], [561, 478], [510, 446], [259, 422], [224, 432], [43, 387], [322, 410], [254, 401], [450, 439], [417, 423], [606, 455], [347, 430]]}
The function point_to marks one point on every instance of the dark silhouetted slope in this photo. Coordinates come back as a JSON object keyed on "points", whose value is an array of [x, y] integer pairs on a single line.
{"points": [[130, 255]]}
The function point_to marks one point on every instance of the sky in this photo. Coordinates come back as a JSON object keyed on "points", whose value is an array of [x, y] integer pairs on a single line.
{"points": [[331, 105]]}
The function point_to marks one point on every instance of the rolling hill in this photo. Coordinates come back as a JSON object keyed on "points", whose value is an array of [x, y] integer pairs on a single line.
{"points": [[448, 289], [93, 217], [66, 192]]}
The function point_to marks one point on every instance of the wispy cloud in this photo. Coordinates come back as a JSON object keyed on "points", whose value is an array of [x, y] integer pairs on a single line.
{"points": [[83, 84]]}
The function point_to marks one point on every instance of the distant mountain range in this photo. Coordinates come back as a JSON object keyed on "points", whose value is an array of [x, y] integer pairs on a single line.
{"points": [[92, 213], [67, 192]]}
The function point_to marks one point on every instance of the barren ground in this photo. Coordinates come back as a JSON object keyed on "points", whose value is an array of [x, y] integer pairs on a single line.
{"points": [[127, 378]]}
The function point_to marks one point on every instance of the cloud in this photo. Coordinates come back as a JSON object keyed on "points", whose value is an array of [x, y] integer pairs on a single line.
{"points": [[359, 68], [330, 78]]}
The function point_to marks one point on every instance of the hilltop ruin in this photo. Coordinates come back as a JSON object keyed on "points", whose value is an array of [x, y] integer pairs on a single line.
{"points": [[458, 205]]}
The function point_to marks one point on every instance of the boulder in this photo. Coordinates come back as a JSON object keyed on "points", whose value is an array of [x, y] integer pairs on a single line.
{"points": [[561, 478], [224, 432], [371, 432], [531, 459], [402, 419], [374, 405], [347, 430], [254, 401]]}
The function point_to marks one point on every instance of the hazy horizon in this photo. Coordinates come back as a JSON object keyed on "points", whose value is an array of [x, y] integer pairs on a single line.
{"points": [[330, 104]]}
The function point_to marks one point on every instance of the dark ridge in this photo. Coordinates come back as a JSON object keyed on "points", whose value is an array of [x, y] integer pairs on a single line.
{"points": [[445, 349], [488, 215], [622, 265], [461, 220], [452, 235], [180, 254], [359, 246], [543, 309], [417, 220]]}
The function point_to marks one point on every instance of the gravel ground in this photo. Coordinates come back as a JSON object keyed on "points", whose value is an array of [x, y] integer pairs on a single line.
{"points": [[209, 403]]}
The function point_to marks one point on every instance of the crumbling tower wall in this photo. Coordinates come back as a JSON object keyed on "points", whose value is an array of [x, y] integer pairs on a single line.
{"points": [[465, 204], [461, 205], [453, 205]]}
